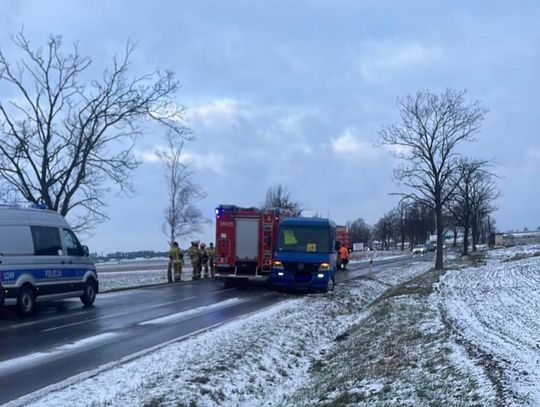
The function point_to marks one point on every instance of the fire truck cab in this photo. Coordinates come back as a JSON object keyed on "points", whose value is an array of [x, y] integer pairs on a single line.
{"points": [[245, 241]]}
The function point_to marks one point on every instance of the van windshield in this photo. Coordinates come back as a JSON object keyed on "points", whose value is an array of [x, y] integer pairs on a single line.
{"points": [[314, 239]]}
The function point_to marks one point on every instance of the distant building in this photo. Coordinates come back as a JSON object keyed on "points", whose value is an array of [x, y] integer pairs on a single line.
{"points": [[513, 238], [496, 240]]}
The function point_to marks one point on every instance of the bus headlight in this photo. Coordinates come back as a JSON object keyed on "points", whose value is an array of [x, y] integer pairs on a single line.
{"points": [[324, 267], [278, 264]]}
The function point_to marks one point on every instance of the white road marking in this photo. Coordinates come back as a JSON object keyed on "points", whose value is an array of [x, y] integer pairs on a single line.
{"points": [[180, 316], [21, 362]]}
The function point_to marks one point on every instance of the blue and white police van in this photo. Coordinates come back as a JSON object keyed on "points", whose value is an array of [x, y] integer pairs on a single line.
{"points": [[41, 259]]}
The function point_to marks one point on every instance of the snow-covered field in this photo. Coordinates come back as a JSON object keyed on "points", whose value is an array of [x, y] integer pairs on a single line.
{"points": [[408, 336], [493, 311], [114, 280]]}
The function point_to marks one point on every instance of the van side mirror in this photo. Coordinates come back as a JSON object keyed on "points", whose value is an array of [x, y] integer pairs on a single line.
{"points": [[85, 250]]}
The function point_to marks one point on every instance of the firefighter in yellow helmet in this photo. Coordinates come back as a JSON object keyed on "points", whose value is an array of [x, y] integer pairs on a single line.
{"points": [[195, 258], [176, 258]]}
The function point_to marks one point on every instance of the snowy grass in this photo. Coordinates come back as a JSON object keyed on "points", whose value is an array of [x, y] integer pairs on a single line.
{"points": [[399, 354], [515, 252]]}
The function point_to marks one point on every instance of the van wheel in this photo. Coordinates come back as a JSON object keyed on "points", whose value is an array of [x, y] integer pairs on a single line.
{"points": [[90, 292], [26, 303]]}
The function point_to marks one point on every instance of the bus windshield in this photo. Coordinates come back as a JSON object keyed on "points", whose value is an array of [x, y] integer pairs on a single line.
{"points": [[314, 239]]}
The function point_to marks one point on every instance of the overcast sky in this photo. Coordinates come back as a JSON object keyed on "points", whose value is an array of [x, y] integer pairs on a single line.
{"points": [[296, 92]]}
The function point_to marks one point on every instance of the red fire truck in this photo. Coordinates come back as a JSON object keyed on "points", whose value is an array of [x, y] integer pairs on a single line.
{"points": [[343, 236], [245, 241]]}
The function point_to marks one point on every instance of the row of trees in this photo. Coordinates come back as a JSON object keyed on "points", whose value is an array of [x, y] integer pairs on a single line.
{"points": [[444, 190], [410, 224], [413, 223], [427, 139]]}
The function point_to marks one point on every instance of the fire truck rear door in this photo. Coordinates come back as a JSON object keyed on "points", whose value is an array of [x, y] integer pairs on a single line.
{"points": [[247, 238]]}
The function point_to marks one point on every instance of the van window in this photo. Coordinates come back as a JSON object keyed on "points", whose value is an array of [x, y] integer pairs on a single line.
{"points": [[72, 244], [15, 240], [46, 241]]}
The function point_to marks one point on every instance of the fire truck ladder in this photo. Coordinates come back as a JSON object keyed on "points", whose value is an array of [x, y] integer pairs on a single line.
{"points": [[268, 233]]}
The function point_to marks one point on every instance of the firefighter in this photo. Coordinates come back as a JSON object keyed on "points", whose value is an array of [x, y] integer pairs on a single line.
{"points": [[176, 257], [194, 256], [204, 260], [211, 255], [343, 257]]}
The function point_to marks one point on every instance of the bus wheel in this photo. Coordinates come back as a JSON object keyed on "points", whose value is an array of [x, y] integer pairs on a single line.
{"points": [[330, 285]]}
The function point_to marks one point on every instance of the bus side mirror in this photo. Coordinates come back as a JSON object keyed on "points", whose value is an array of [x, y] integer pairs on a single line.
{"points": [[337, 246]]}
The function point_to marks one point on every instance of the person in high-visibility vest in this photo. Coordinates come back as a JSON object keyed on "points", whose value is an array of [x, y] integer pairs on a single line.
{"points": [[343, 257], [176, 255], [195, 257]]}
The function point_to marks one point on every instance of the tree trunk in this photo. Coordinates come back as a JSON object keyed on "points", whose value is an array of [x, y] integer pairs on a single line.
{"points": [[474, 231], [466, 239], [466, 223], [474, 238], [440, 229]]}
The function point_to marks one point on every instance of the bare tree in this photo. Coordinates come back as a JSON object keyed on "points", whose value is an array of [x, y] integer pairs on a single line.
{"points": [[360, 231], [461, 204], [66, 142], [401, 213], [431, 128], [483, 194], [384, 230], [418, 223], [278, 196], [182, 217]]}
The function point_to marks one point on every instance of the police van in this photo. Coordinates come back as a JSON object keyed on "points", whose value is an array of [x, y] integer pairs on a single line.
{"points": [[41, 259]]}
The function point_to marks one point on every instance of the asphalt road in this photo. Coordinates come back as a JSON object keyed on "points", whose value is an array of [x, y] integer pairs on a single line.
{"points": [[65, 339]]}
